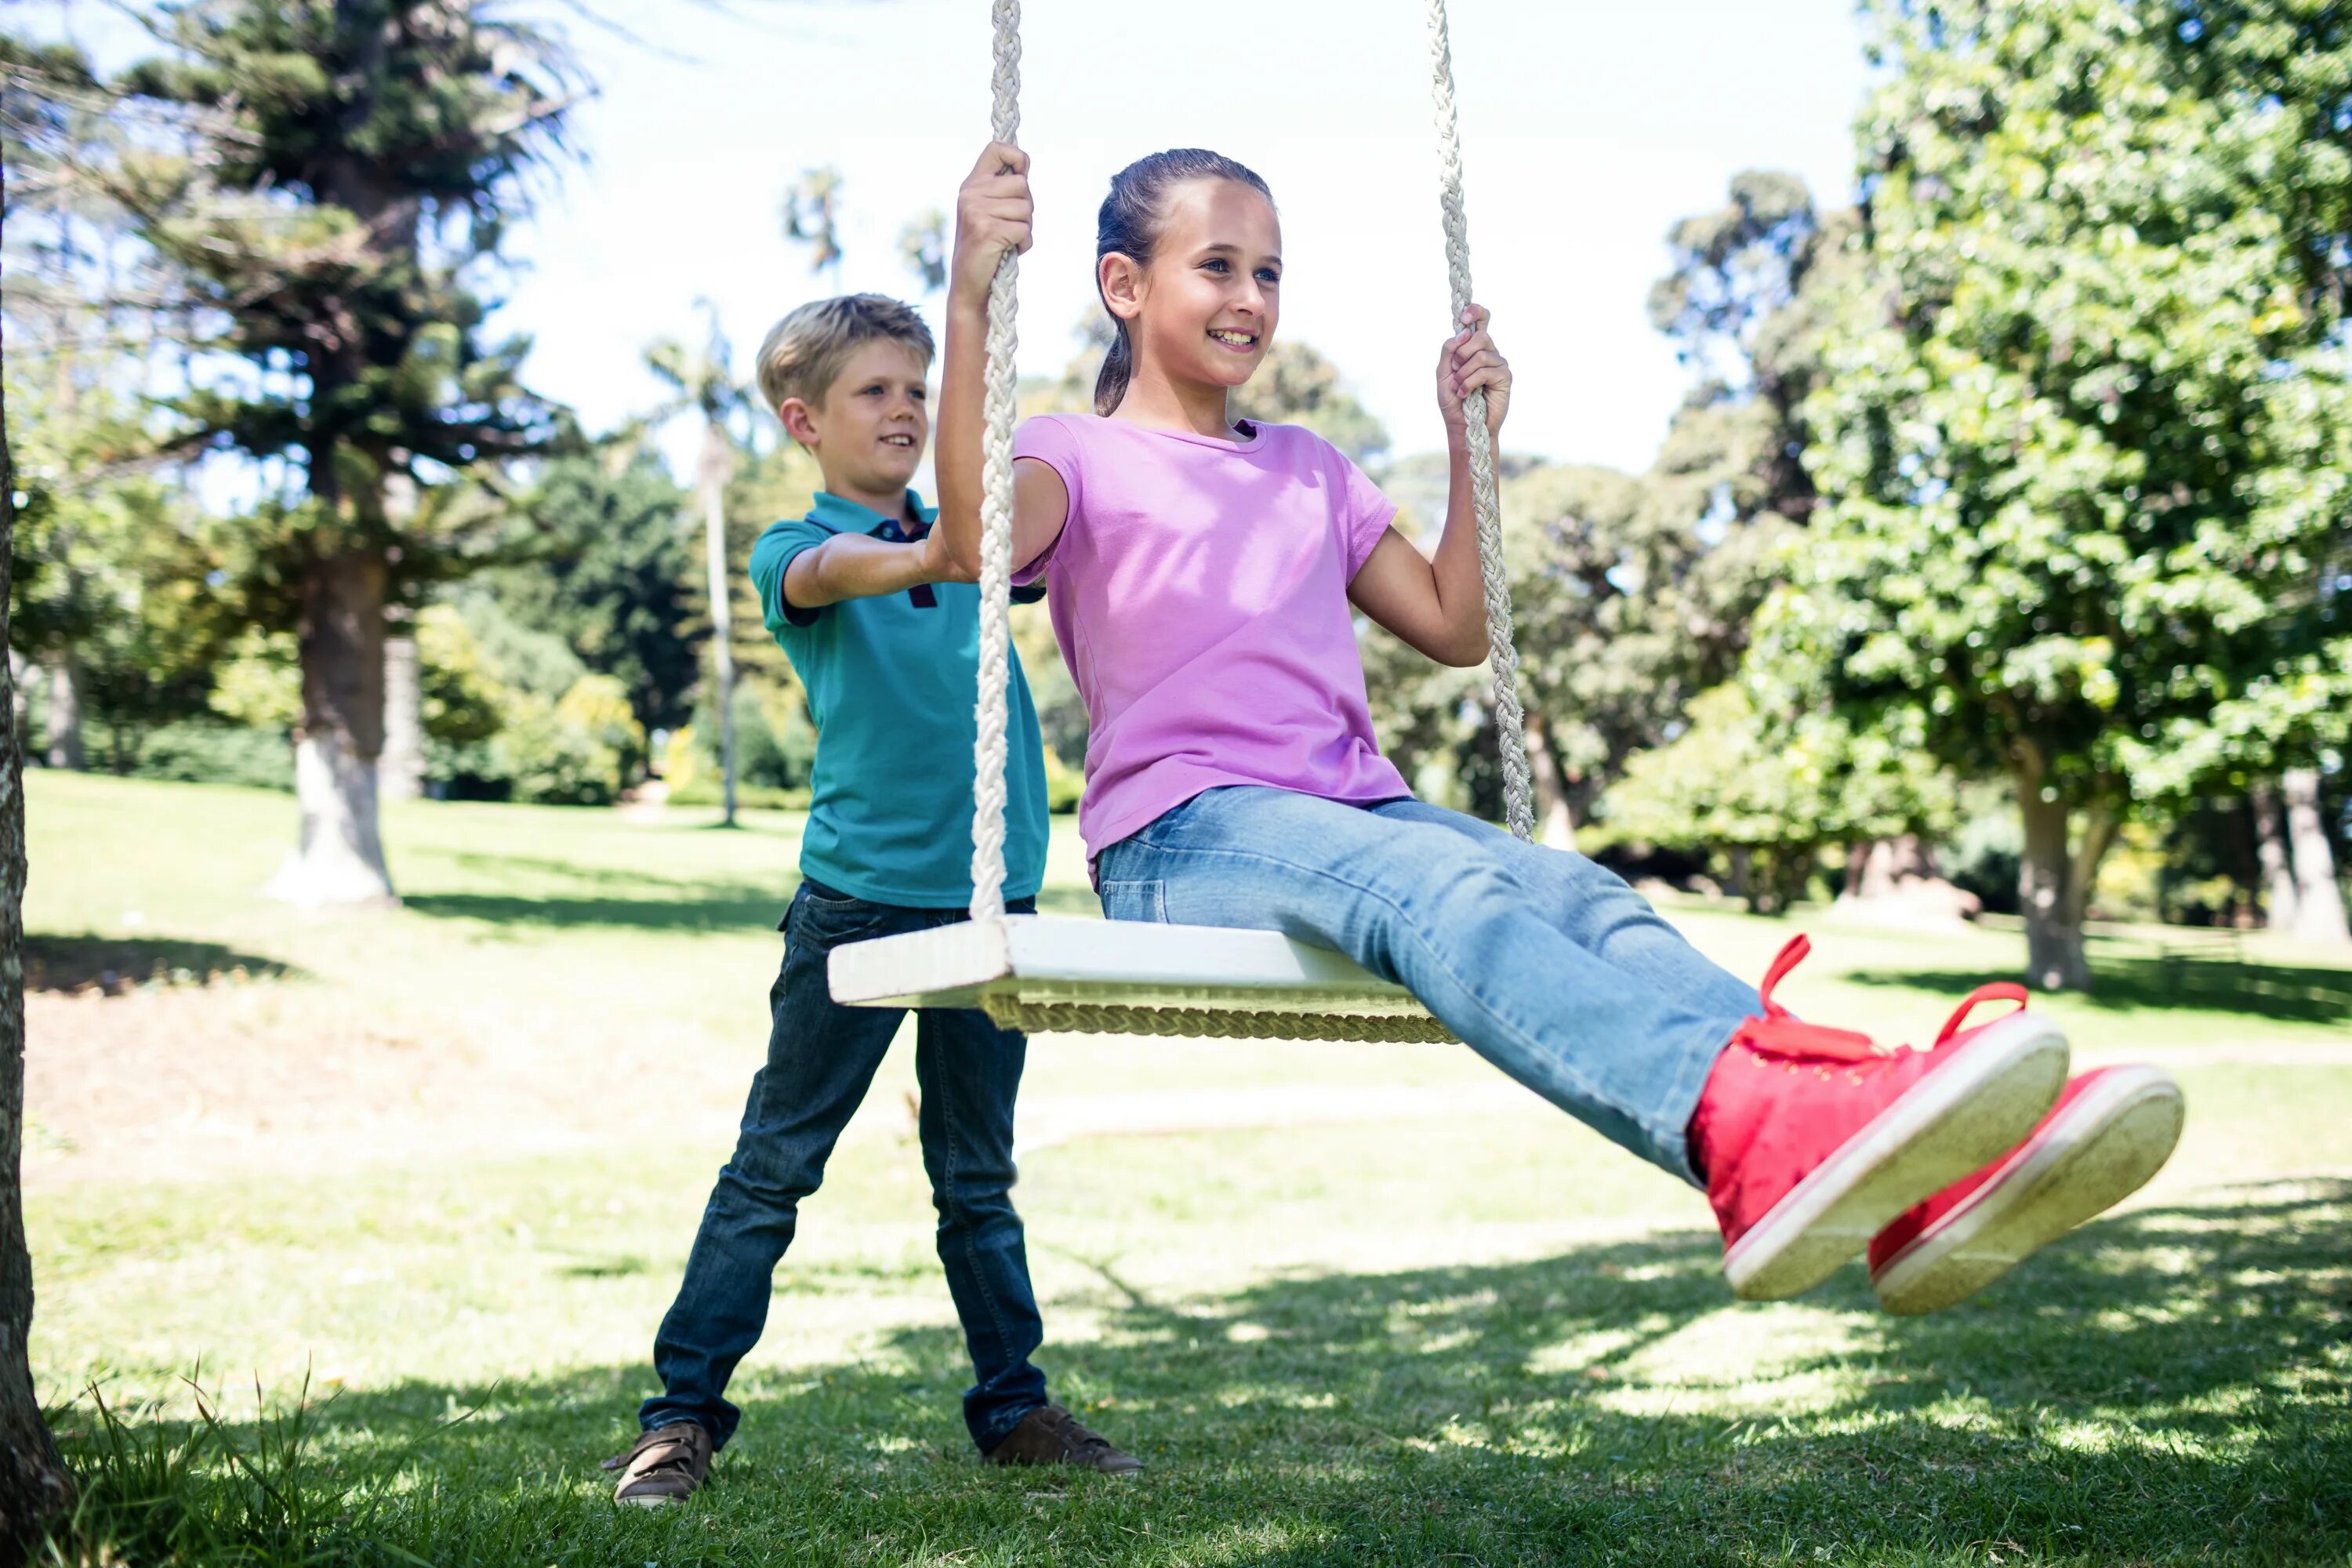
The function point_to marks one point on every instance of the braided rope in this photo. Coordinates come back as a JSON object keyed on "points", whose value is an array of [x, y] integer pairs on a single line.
{"points": [[993, 711], [1510, 722], [1210, 1023]]}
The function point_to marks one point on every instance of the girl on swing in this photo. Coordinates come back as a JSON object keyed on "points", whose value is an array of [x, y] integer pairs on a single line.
{"points": [[1203, 574]]}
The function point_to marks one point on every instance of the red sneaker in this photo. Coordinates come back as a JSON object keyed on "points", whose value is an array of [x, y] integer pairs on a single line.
{"points": [[2109, 1132], [1811, 1139]]}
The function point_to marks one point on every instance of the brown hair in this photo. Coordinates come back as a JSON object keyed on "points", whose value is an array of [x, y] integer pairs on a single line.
{"points": [[1129, 224], [803, 353]]}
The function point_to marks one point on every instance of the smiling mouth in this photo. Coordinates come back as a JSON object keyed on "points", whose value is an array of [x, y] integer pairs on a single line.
{"points": [[1240, 342], [906, 441]]}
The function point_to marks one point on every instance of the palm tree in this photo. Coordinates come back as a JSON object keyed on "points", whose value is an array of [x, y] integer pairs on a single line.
{"points": [[811, 215], [923, 247], [704, 382]]}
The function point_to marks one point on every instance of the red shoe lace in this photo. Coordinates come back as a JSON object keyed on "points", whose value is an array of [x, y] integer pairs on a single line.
{"points": [[1997, 991], [1779, 1033]]}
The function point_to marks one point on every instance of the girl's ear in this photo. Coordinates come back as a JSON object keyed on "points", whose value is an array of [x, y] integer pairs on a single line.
{"points": [[799, 421], [1121, 282]]}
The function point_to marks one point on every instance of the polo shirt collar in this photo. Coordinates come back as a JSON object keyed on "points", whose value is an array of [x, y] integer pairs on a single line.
{"points": [[837, 515]]}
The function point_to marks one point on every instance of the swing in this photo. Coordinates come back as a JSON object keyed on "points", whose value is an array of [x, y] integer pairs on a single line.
{"points": [[1042, 974]]}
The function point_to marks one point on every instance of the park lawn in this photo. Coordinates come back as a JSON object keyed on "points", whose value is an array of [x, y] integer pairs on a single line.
{"points": [[1388, 1335]]}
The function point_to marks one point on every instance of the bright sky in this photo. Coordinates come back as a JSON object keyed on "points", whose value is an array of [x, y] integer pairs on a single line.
{"points": [[1587, 129]]}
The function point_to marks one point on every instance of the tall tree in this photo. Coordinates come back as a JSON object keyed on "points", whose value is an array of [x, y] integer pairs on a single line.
{"points": [[703, 381], [34, 1484], [603, 562], [2084, 436], [812, 216], [923, 248], [330, 177]]}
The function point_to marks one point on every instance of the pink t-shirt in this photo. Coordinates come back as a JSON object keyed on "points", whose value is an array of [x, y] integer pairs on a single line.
{"points": [[1200, 591]]}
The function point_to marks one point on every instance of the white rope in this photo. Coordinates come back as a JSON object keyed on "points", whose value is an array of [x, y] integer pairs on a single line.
{"points": [[989, 760], [1511, 724]]}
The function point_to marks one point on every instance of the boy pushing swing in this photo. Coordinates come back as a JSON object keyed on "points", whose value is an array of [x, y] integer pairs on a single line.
{"points": [[883, 629]]}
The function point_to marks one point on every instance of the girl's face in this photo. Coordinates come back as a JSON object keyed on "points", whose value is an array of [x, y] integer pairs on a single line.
{"points": [[1204, 311]]}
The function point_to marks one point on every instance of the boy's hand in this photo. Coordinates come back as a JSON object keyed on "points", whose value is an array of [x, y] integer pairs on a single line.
{"points": [[992, 213], [1470, 363], [939, 563]]}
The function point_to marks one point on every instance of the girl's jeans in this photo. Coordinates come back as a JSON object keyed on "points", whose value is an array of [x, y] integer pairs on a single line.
{"points": [[1549, 966]]}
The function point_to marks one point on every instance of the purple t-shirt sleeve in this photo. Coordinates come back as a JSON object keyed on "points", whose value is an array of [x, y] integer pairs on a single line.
{"points": [[1369, 514], [1052, 442]]}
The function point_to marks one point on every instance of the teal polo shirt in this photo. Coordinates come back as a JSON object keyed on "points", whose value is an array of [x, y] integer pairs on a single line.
{"points": [[890, 684]]}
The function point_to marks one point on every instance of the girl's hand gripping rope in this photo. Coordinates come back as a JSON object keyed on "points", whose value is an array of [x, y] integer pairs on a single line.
{"points": [[992, 213], [1470, 363]]}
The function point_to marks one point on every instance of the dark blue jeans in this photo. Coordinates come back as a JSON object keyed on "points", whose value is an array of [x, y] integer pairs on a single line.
{"points": [[821, 1059]]}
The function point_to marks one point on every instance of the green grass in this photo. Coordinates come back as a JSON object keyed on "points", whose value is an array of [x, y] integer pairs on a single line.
{"points": [[1487, 1339]]}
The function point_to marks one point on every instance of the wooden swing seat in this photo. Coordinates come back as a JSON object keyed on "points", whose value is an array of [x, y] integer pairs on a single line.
{"points": [[1066, 974]]}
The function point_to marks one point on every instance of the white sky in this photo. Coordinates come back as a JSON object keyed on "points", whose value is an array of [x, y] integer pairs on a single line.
{"points": [[1587, 130]]}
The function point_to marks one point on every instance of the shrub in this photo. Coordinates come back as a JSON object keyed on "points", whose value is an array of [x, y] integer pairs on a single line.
{"points": [[205, 751]]}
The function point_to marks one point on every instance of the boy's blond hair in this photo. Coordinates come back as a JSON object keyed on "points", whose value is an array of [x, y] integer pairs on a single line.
{"points": [[804, 352]]}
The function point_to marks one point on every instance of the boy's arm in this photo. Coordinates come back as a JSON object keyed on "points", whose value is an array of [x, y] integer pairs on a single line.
{"points": [[1438, 605], [993, 212], [854, 566]]}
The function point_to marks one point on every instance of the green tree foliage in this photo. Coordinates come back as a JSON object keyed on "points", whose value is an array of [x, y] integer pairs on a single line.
{"points": [[511, 713], [607, 565], [1632, 594], [2084, 436], [327, 181], [810, 215], [702, 381], [1770, 795], [118, 579]]}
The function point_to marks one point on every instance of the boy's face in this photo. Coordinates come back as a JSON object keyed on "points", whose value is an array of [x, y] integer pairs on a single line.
{"points": [[869, 430]]}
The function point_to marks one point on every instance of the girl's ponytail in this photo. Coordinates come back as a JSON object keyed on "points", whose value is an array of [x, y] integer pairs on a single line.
{"points": [[1118, 369], [1129, 226]]}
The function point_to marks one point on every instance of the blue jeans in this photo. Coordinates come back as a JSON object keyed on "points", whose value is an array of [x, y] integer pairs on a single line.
{"points": [[821, 1059], [1549, 966]]}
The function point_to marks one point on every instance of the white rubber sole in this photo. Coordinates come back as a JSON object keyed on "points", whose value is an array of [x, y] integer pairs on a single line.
{"points": [[1961, 1117], [2099, 1151]]}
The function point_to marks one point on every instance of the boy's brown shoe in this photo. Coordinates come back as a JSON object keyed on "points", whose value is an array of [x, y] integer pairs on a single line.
{"points": [[666, 1465], [1050, 1434]]}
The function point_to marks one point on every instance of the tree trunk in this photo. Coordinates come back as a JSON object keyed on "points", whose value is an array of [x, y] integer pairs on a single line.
{"points": [[401, 775], [2319, 902], [62, 723], [2279, 899], [340, 859], [33, 1485], [1880, 868], [716, 462], [1555, 826], [20, 710], [2055, 881]]}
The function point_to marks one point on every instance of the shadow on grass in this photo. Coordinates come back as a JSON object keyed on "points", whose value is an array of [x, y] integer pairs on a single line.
{"points": [[611, 896], [2286, 991], [2165, 1386], [712, 906], [116, 964]]}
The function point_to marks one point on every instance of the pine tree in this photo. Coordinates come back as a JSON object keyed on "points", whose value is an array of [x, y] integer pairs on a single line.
{"points": [[343, 173]]}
